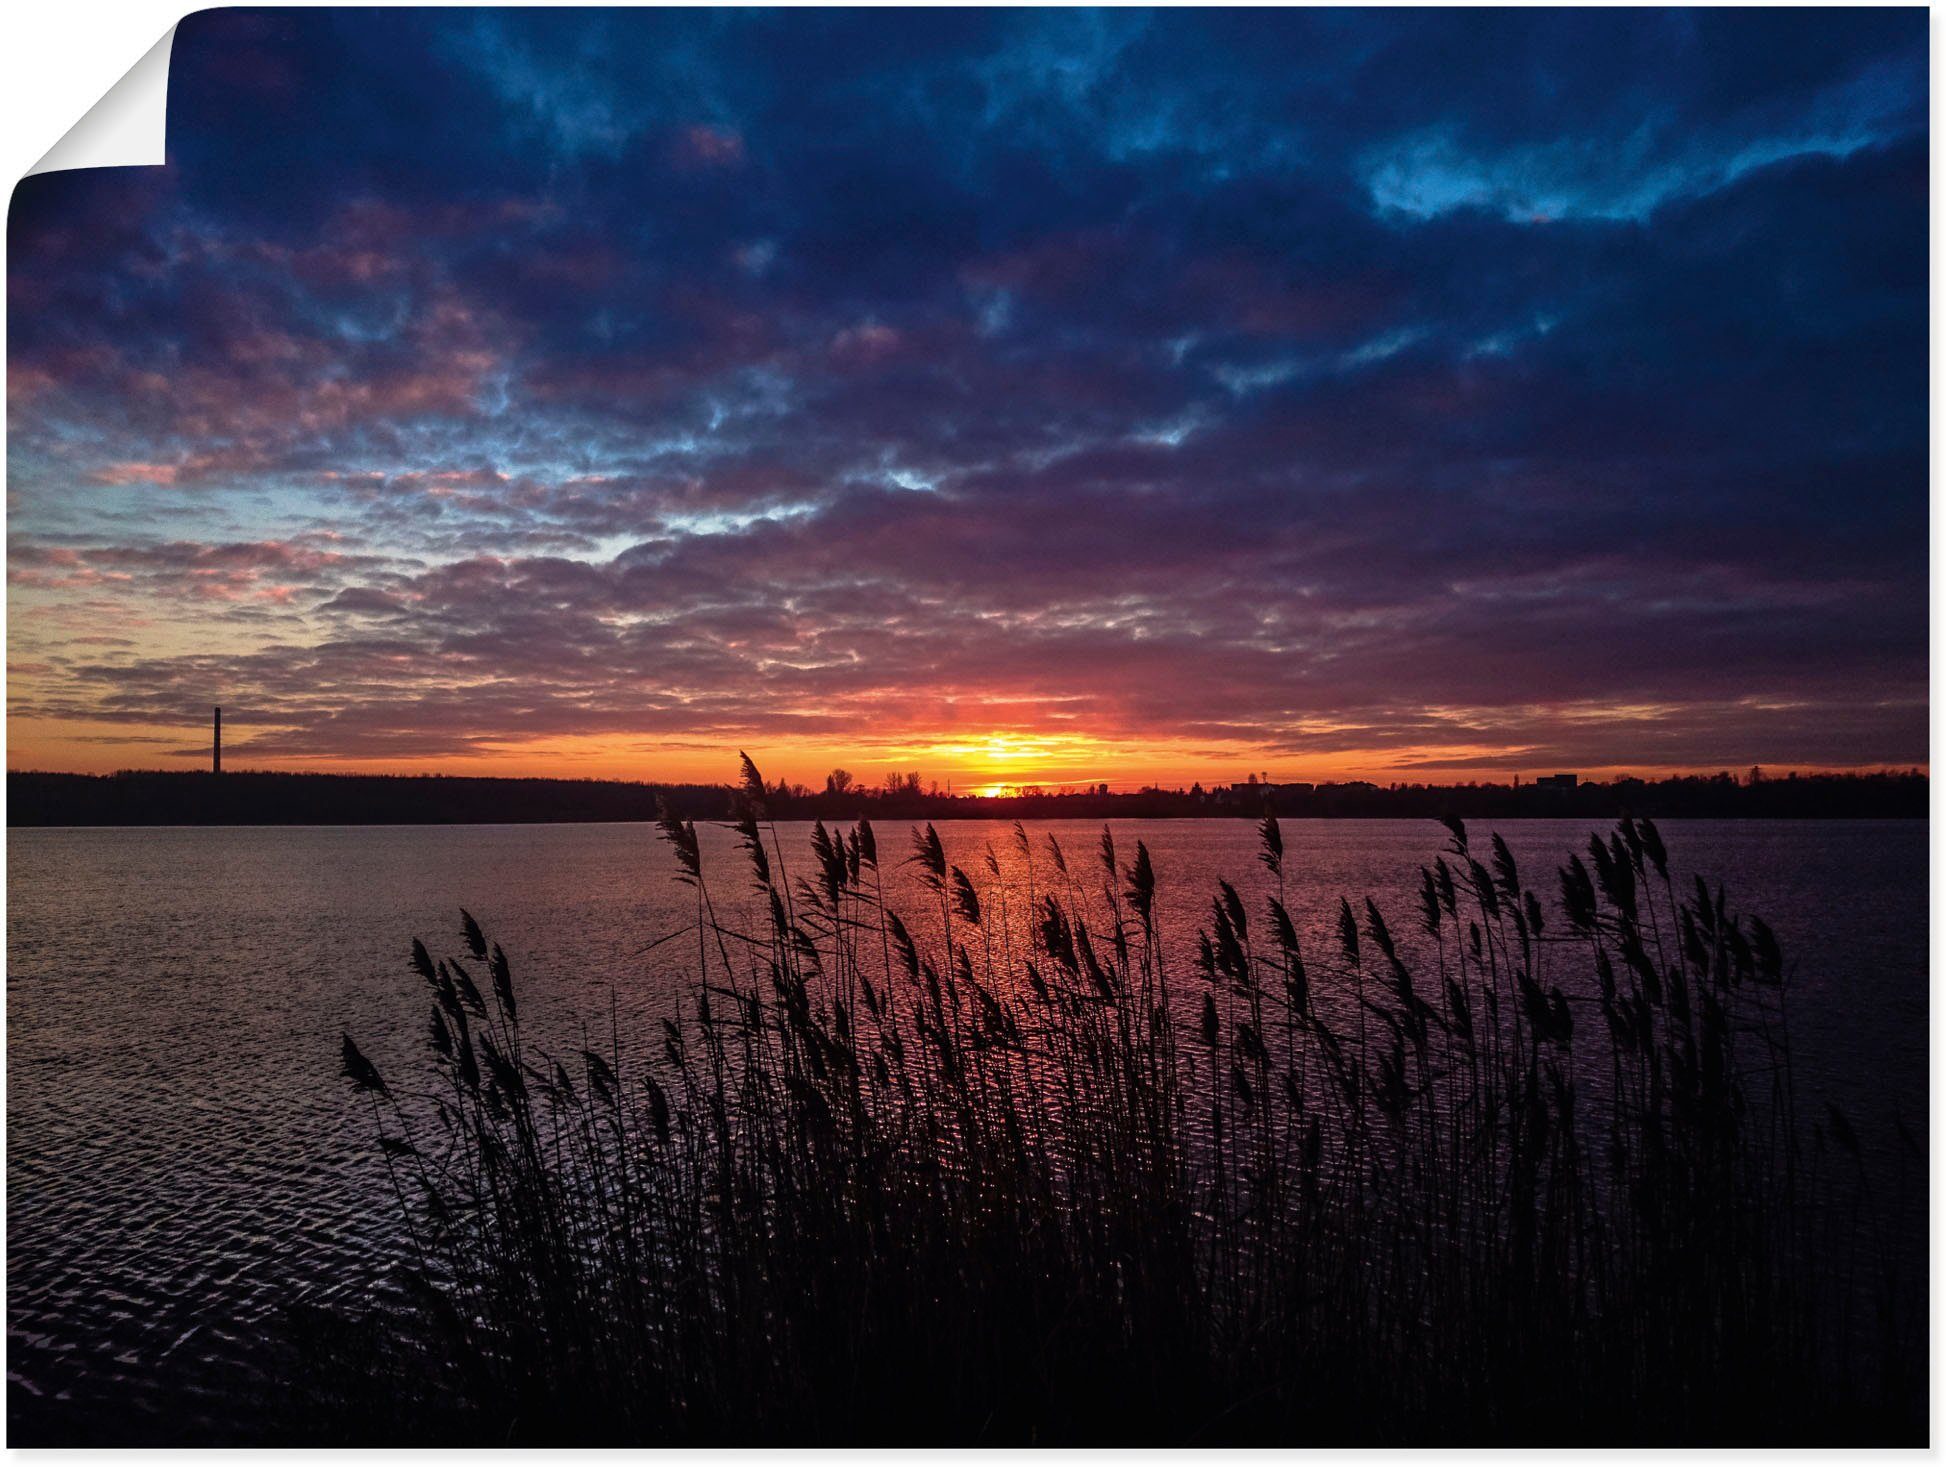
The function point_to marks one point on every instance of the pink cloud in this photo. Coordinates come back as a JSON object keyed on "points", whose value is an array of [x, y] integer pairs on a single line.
{"points": [[137, 473], [866, 344], [708, 146]]}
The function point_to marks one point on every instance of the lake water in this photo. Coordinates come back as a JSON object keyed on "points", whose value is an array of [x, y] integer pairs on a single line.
{"points": [[182, 1154]]}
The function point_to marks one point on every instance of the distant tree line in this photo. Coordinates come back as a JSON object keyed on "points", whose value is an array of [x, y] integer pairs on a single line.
{"points": [[1891, 794], [145, 797], [150, 797]]}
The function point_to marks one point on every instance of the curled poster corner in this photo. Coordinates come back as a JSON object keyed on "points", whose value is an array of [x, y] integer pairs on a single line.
{"points": [[126, 128]]}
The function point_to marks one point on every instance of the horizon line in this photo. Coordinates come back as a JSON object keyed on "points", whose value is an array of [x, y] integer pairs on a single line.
{"points": [[993, 789]]}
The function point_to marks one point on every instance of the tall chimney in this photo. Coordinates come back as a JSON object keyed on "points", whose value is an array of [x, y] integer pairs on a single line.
{"points": [[216, 748]]}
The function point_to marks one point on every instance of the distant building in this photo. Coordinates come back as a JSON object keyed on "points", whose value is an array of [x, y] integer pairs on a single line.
{"points": [[1556, 782]]}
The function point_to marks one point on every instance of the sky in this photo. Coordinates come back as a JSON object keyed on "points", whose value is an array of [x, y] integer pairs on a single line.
{"points": [[1013, 396]]}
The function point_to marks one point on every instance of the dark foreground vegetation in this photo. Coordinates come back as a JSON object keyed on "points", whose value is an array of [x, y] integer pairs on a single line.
{"points": [[906, 1177], [153, 797]]}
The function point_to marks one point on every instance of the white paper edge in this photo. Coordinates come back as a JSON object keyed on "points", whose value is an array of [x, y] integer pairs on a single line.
{"points": [[127, 127]]}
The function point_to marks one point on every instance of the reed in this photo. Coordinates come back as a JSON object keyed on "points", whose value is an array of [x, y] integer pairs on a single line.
{"points": [[962, 1174]]}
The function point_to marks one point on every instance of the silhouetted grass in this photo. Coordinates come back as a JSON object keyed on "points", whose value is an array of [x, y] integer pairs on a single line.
{"points": [[895, 1176]]}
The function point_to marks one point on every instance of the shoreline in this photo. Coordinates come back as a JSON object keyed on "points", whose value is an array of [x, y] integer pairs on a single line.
{"points": [[137, 799]]}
